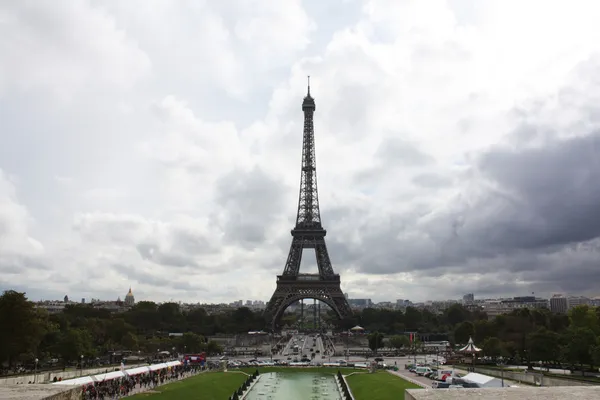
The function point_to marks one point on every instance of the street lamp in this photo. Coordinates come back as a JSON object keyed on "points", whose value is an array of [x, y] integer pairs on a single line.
{"points": [[347, 345], [35, 374], [81, 364], [271, 340]]}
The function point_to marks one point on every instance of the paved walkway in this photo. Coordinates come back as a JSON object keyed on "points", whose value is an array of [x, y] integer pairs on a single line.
{"points": [[413, 378]]}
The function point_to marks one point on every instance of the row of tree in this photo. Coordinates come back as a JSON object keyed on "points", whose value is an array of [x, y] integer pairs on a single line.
{"points": [[530, 335], [523, 336]]}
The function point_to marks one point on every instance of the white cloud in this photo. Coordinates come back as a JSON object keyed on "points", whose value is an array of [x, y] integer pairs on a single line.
{"points": [[65, 48], [183, 140]]}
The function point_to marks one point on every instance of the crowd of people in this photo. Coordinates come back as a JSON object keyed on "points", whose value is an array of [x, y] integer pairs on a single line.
{"points": [[128, 385]]}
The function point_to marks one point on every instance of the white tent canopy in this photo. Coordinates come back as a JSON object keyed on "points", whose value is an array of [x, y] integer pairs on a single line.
{"points": [[357, 328], [156, 367], [470, 347], [86, 380], [108, 376], [481, 380], [137, 371], [173, 363], [83, 380]]}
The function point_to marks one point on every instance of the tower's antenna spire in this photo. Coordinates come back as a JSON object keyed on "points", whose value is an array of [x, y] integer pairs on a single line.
{"points": [[309, 85]]}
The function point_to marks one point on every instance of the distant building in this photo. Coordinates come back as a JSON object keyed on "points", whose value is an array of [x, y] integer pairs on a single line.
{"points": [[439, 306], [559, 304], [129, 299], [493, 308], [468, 298], [385, 305], [53, 307], [574, 301], [401, 304], [360, 303]]}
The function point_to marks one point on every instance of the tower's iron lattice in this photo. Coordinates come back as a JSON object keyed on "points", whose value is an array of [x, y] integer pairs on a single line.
{"points": [[308, 233]]}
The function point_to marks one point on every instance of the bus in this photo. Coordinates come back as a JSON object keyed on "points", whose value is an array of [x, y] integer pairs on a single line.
{"points": [[296, 349], [194, 358]]}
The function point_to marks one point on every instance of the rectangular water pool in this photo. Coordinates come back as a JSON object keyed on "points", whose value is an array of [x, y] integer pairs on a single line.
{"points": [[295, 386]]}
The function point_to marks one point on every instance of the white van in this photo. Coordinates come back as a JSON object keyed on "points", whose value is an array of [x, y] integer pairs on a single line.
{"points": [[422, 370]]}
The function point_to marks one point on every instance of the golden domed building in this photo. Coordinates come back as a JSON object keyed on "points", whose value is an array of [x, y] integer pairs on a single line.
{"points": [[129, 299]]}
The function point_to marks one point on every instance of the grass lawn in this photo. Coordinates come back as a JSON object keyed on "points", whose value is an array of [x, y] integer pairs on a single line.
{"points": [[206, 386], [220, 385], [379, 386]]}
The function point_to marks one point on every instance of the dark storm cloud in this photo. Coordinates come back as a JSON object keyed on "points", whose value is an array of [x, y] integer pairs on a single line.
{"points": [[554, 191], [535, 213], [249, 202]]}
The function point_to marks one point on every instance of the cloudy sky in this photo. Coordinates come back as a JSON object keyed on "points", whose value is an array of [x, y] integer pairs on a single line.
{"points": [[156, 144]]}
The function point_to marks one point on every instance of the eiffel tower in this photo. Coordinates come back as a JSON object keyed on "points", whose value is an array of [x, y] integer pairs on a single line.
{"points": [[292, 285]]}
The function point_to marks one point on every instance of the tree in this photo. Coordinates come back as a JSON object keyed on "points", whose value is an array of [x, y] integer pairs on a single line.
{"points": [[192, 343], [84, 329], [412, 318], [130, 341], [456, 314], [117, 329], [463, 332], [375, 340], [23, 327], [399, 341], [493, 347], [483, 329], [596, 353], [75, 343], [580, 342], [584, 317], [544, 345], [212, 348]]}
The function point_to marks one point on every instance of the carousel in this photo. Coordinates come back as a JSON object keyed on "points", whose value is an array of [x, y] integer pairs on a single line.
{"points": [[470, 349]]}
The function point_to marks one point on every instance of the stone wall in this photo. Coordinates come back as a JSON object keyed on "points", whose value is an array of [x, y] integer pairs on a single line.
{"points": [[40, 392], [46, 377], [520, 393], [531, 378], [69, 394]]}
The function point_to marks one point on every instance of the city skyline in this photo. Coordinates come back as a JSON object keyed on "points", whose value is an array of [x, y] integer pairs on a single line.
{"points": [[456, 147], [466, 298]]}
